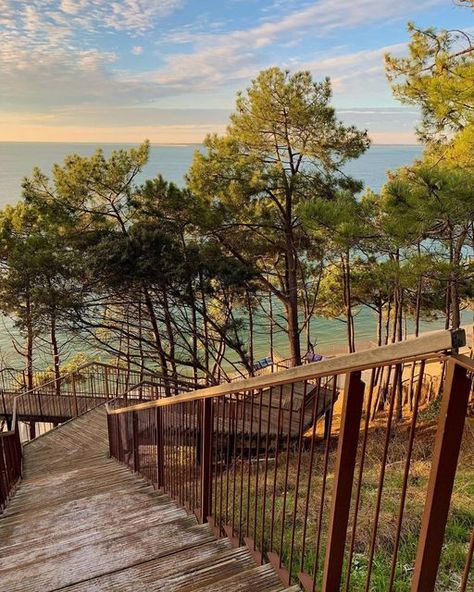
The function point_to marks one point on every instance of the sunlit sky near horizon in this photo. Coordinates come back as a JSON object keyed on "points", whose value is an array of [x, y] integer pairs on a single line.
{"points": [[168, 70]]}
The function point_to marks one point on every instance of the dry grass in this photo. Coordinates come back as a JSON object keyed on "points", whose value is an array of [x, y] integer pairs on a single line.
{"points": [[289, 493], [239, 495]]}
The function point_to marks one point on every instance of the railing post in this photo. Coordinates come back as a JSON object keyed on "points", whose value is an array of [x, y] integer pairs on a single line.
{"points": [[106, 378], [160, 456], [74, 394], [3, 475], [443, 471], [32, 430], [206, 459], [343, 480], [136, 456], [112, 445]]}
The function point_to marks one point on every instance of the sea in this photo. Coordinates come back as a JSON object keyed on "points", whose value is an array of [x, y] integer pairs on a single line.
{"points": [[18, 159]]}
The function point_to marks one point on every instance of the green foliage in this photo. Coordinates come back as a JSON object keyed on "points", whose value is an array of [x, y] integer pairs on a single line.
{"points": [[436, 75], [284, 147], [174, 277], [38, 272]]}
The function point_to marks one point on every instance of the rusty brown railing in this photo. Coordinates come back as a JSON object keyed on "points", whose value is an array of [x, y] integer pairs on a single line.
{"points": [[297, 466], [10, 461], [81, 390]]}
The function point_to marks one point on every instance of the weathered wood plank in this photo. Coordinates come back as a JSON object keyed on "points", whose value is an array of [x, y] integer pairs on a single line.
{"points": [[82, 522]]}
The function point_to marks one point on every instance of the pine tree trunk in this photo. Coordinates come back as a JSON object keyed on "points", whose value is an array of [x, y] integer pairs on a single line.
{"points": [[270, 308], [379, 326], [56, 360], [346, 278], [29, 347], [205, 324], [140, 345], [157, 337], [455, 297], [448, 308], [170, 332], [419, 286], [250, 334], [291, 304]]}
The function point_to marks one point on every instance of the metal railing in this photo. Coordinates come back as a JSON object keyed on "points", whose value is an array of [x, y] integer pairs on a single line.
{"points": [[10, 461], [80, 391], [83, 389], [293, 465]]}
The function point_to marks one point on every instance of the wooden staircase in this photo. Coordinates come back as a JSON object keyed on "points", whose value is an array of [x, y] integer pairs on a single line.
{"points": [[82, 522]]}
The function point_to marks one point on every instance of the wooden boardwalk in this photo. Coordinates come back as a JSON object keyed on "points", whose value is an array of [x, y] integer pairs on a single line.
{"points": [[82, 522]]}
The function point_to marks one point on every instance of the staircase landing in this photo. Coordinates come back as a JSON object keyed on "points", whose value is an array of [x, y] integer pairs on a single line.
{"points": [[82, 522]]}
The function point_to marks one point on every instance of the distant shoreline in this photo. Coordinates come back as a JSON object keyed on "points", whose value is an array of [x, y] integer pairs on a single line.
{"points": [[167, 144]]}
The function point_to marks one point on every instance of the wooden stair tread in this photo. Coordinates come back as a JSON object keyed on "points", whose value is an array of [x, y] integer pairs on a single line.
{"points": [[82, 522]]}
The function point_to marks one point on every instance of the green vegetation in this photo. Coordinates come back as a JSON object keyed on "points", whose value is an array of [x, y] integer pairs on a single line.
{"points": [[268, 232], [287, 493]]}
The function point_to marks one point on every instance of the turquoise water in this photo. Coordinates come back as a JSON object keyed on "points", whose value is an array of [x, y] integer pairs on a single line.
{"points": [[17, 160]]}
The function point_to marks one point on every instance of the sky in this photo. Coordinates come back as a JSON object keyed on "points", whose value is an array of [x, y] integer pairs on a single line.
{"points": [[168, 70]]}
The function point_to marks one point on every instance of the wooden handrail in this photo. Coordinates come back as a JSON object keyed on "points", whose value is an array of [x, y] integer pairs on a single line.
{"points": [[464, 362], [419, 348]]}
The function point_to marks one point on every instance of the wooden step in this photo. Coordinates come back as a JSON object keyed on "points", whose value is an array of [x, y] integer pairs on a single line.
{"points": [[82, 522]]}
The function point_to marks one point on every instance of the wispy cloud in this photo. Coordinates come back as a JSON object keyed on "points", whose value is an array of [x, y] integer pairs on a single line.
{"points": [[220, 58], [59, 57]]}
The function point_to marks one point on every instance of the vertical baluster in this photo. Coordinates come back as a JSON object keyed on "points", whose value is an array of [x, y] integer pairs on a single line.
{"points": [[298, 474], [303, 576], [415, 406], [381, 480], [242, 442], [288, 442], [206, 459], [343, 479], [468, 564], [136, 457], [360, 477], [249, 478], [265, 478], [443, 471], [275, 472], [74, 394]]}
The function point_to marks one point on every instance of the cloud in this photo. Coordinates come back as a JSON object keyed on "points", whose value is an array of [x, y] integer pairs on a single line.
{"points": [[50, 46], [138, 15], [60, 56], [220, 58], [135, 16], [49, 56]]}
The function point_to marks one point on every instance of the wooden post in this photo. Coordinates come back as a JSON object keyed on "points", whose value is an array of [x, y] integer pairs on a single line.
{"points": [[160, 456], [344, 476], [443, 470], [136, 456], [206, 459]]}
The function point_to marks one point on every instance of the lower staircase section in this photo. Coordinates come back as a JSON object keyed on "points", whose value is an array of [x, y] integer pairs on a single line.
{"points": [[82, 522]]}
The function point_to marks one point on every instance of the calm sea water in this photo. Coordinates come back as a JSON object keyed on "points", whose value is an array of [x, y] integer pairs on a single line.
{"points": [[17, 160]]}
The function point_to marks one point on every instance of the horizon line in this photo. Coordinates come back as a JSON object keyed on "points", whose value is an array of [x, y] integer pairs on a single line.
{"points": [[176, 144]]}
